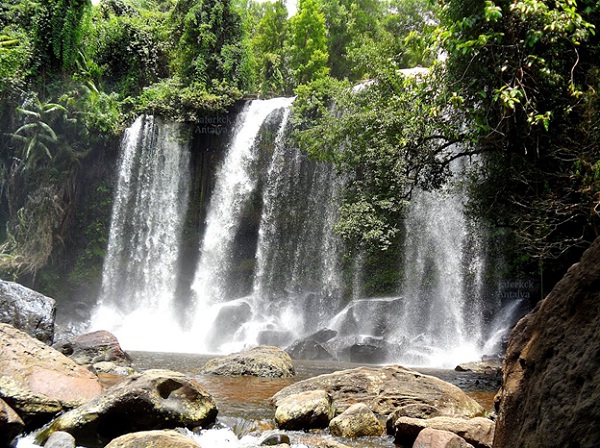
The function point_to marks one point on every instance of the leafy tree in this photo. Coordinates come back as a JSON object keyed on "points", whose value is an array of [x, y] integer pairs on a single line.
{"points": [[269, 44], [526, 75], [308, 43]]}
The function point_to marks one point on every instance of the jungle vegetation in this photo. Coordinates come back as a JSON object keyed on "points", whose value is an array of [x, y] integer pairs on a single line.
{"points": [[512, 85]]}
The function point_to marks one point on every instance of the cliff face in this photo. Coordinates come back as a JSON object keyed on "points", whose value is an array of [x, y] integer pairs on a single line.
{"points": [[551, 386]]}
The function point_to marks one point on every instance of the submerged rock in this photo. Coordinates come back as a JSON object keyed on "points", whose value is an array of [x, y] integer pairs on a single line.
{"points": [[153, 439], [356, 421], [551, 384], [477, 431], [27, 310], [263, 361], [95, 347], [305, 410], [385, 389], [38, 381], [155, 399]]}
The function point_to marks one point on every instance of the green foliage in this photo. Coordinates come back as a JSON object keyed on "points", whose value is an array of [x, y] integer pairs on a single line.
{"points": [[272, 32], [525, 75], [15, 59], [308, 43]]}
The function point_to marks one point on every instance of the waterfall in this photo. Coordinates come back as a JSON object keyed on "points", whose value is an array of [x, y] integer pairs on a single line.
{"points": [[139, 276], [297, 260]]}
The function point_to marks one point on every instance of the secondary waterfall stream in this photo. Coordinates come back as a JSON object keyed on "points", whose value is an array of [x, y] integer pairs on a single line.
{"points": [[270, 268]]}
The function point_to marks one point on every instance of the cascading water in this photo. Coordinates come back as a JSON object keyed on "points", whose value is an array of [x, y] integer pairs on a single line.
{"points": [[139, 276], [297, 254], [270, 264]]}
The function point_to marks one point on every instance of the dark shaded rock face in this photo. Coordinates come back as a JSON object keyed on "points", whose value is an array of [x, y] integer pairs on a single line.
{"points": [[11, 424], [91, 348], [262, 361], [155, 399], [27, 310], [551, 384], [308, 349]]}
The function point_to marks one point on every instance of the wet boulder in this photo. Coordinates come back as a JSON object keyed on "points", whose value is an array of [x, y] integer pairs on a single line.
{"points": [[483, 367], [27, 310], [385, 389], [305, 410], [11, 424], [38, 381], [262, 361], [477, 431], [229, 319], [95, 347], [309, 349], [153, 439], [155, 399], [356, 421], [551, 385], [435, 438], [60, 439]]}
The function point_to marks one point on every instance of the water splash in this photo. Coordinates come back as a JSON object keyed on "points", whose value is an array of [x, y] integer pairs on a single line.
{"points": [[150, 202]]}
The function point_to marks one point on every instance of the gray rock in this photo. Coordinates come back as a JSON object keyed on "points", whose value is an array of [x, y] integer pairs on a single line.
{"points": [[60, 439], [38, 381], [435, 438], [11, 424], [477, 431], [263, 361], [275, 439], [483, 367], [230, 318], [356, 421], [308, 349], [91, 348], [155, 399], [551, 384], [386, 388], [305, 410], [411, 410], [153, 439], [27, 310]]}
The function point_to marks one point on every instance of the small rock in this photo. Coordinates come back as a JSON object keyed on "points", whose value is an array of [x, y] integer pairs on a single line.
{"points": [[113, 369], [28, 311], [95, 347], [60, 439], [263, 361], [413, 410], [483, 367], [11, 424], [303, 411], [153, 439], [356, 421], [275, 439], [478, 431], [435, 438]]}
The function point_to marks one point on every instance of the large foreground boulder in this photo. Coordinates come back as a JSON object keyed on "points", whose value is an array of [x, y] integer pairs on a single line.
{"points": [[155, 399], [38, 381], [356, 421], [95, 347], [153, 439], [551, 384], [436, 438], [262, 361], [27, 310], [386, 389]]}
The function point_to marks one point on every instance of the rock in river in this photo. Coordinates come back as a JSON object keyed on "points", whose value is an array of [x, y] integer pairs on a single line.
{"points": [[386, 389], [38, 381], [155, 399], [304, 411], [153, 439], [356, 421], [27, 310], [91, 348], [262, 361]]}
